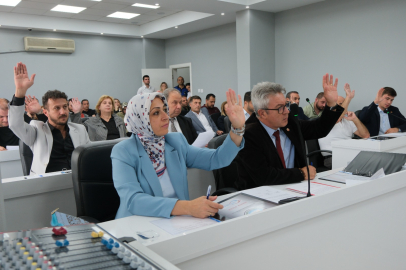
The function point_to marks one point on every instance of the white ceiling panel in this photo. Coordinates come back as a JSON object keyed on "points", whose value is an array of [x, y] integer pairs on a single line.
{"points": [[132, 9], [56, 2], [29, 11], [59, 14], [96, 12], [81, 16], [108, 6], [77, 3], [6, 9], [36, 5]]}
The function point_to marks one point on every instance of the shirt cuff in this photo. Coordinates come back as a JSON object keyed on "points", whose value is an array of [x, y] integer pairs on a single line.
{"points": [[17, 101]]}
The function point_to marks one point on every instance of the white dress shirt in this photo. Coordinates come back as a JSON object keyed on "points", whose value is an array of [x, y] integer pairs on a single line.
{"points": [[385, 125], [204, 121], [144, 90], [247, 115], [177, 126], [343, 130]]}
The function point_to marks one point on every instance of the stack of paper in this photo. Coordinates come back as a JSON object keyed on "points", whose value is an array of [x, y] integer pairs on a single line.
{"points": [[268, 193], [316, 188]]}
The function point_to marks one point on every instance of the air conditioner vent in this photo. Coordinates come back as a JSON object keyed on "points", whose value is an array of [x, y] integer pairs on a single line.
{"points": [[34, 44]]}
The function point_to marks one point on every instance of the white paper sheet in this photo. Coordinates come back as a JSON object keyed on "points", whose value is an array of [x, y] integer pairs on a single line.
{"points": [[268, 193], [379, 174], [316, 188], [12, 147], [203, 139], [399, 134], [342, 177], [181, 224]]}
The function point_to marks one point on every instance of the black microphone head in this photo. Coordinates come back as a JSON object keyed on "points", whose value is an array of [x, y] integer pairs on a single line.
{"points": [[308, 100], [294, 109], [386, 111]]}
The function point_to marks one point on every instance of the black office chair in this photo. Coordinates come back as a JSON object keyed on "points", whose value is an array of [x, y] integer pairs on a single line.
{"points": [[224, 177], [26, 157], [96, 197], [357, 113], [215, 117], [227, 125], [356, 137], [315, 156]]}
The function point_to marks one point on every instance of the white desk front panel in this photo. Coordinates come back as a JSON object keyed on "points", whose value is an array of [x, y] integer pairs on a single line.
{"points": [[344, 229], [10, 164], [346, 150]]}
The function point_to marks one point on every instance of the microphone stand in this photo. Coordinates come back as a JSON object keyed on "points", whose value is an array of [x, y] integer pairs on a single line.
{"points": [[308, 101], [390, 113]]}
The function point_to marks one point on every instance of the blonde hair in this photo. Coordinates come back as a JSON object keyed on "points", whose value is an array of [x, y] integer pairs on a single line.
{"points": [[223, 109], [100, 102]]}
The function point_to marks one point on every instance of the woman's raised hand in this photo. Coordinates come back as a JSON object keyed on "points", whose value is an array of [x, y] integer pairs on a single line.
{"points": [[234, 109]]}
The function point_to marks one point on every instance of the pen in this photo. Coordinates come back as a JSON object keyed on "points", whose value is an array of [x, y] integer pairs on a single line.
{"points": [[208, 192], [311, 163]]}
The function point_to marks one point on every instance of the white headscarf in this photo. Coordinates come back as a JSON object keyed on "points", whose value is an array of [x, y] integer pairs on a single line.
{"points": [[137, 121]]}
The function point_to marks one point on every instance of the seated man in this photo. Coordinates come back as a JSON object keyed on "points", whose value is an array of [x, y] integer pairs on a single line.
{"points": [[185, 106], [316, 109], [209, 106], [274, 153], [85, 108], [177, 122], [53, 142], [248, 107], [347, 125], [201, 121], [293, 97], [7, 137], [380, 117]]}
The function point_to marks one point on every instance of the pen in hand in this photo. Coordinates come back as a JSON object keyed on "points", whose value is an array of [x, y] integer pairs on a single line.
{"points": [[208, 192]]}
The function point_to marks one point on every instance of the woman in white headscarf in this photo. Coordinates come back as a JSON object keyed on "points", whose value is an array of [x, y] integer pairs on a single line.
{"points": [[150, 169]]}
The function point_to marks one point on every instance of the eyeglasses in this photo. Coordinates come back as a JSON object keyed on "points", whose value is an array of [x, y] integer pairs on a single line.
{"points": [[280, 110]]}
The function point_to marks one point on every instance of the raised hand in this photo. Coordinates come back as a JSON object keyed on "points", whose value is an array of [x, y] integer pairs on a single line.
{"points": [[76, 105], [21, 80], [378, 97], [351, 116], [32, 104], [350, 94], [330, 90], [234, 109]]}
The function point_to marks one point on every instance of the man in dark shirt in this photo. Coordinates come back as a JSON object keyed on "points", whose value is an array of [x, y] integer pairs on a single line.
{"points": [[52, 143], [181, 86], [86, 110], [210, 100], [185, 106], [7, 137]]}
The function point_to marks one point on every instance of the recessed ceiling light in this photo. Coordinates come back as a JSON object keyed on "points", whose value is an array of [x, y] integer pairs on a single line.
{"points": [[123, 15], [69, 9], [247, 7], [101, 33], [156, 4], [10, 3], [176, 27], [145, 6], [96, 0], [142, 36], [222, 14], [54, 29]]}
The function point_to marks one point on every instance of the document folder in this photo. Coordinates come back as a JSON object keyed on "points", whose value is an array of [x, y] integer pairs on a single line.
{"points": [[367, 163]]}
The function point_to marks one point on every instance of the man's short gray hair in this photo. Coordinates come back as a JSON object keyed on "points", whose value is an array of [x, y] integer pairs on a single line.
{"points": [[168, 91], [262, 92]]}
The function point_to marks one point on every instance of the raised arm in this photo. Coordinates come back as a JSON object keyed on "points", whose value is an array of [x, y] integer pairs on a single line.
{"points": [[362, 131], [349, 96], [77, 110]]}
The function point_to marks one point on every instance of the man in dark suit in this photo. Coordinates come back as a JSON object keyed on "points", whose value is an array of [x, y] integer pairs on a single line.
{"points": [[177, 122], [380, 116], [273, 152], [293, 97]]}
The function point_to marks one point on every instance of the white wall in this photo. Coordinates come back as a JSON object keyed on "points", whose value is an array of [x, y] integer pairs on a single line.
{"points": [[212, 53], [100, 65], [361, 42], [185, 73]]}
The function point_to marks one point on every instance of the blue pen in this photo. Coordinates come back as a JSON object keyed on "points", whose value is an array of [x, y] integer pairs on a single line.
{"points": [[311, 163], [208, 192]]}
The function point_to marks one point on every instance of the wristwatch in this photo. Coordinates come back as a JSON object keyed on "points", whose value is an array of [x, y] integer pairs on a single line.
{"points": [[238, 131]]}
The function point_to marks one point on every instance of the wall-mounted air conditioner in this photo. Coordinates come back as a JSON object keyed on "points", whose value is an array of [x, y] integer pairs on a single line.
{"points": [[56, 45]]}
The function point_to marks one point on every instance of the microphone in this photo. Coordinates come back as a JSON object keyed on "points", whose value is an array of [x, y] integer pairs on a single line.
{"points": [[390, 113], [308, 101], [294, 110]]}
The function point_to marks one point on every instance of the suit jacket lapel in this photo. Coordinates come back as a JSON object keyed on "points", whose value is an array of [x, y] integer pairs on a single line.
{"points": [[148, 170], [292, 133], [74, 135], [49, 137], [197, 121], [175, 172]]}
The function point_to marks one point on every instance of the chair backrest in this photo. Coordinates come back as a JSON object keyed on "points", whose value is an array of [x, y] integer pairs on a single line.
{"points": [[224, 177], [217, 141], [316, 159], [357, 113], [26, 157], [227, 125], [215, 117], [92, 177]]}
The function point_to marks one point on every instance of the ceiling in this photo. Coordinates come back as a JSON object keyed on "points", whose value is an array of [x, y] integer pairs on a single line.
{"points": [[186, 15]]}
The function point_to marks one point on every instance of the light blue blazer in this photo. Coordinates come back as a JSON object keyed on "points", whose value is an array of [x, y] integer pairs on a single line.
{"points": [[138, 185]]}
